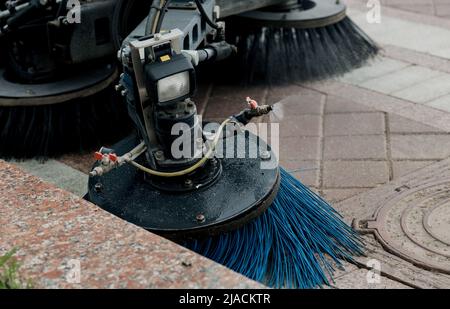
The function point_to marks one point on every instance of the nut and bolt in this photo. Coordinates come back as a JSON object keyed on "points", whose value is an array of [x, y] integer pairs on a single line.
{"points": [[98, 187], [200, 218], [159, 155], [265, 155], [188, 183]]}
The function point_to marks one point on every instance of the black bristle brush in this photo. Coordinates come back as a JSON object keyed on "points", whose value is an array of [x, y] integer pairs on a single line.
{"points": [[300, 41]]}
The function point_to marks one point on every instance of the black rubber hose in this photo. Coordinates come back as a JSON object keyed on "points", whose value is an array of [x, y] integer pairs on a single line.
{"points": [[151, 18], [62, 8], [161, 16], [205, 15]]}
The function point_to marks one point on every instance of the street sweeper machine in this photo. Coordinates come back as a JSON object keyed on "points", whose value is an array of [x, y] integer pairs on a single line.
{"points": [[215, 188]]}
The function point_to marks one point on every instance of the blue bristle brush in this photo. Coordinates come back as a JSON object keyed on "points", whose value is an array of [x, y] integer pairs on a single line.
{"points": [[296, 243]]}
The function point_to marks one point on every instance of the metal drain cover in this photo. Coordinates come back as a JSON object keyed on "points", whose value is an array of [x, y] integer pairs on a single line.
{"points": [[415, 225]]}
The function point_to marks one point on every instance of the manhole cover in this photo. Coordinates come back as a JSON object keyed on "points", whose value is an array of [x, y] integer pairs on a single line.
{"points": [[415, 225]]}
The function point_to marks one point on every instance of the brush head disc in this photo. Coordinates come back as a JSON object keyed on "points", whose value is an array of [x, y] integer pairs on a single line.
{"points": [[77, 83], [239, 192], [80, 113], [303, 14]]}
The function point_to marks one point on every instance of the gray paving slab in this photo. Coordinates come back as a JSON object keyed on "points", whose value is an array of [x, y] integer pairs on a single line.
{"points": [[355, 174], [354, 124], [402, 168], [424, 147], [404, 33], [355, 147], [58, 174], [399, 124], [441, 103], [400, 79], [379, 67], [426, 91]]}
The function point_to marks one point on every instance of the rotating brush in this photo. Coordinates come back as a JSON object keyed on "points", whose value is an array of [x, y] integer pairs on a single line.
{"points": [[224, 195], [76, 124], [57, 75], [296, 243], [299, 40]]}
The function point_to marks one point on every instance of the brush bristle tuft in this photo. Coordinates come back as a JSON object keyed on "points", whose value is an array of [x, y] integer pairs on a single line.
{"points": [[296, 243], [280, 55]]}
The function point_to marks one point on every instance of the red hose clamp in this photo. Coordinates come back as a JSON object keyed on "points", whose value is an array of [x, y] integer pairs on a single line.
{"points": [[252, 103], [98, 156]]}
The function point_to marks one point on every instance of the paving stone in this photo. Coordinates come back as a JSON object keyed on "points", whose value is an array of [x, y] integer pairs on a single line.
{"points": [[402, 168], [400, 34], [354, 174], [298, 105], [369, 98], [299, 148], [339, 195], [442, 103], [358, 280], [280, 93], [222, 107], [425, 147], [417, 58], [427, 115], [305, 171], [399, 124], [301, 125], [355, 147], [238, 93], [354, 124], [422, 8], [443, 9], [377, 68], [401, 79], [426, 91], [335, 104]]}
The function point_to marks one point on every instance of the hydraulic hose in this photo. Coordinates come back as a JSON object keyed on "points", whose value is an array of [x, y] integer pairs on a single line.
{"points": [[205, 15], [192, 168], [153, 17]]}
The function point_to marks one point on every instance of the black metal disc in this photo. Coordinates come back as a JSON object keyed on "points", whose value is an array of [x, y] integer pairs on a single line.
{"points": [[202, 177], [306, 14], [82, 83], [239, 194]]}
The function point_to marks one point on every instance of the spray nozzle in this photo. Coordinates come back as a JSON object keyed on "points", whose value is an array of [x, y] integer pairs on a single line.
{"points": [[253, 110]]}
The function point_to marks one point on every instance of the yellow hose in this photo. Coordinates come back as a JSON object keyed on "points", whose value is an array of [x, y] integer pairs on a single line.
{"points": [[190, 169]]}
